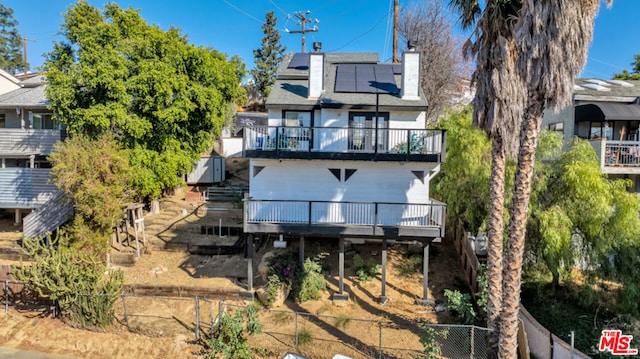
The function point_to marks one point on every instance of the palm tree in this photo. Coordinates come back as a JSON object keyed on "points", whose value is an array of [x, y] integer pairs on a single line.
{"points": [[541, 44], [498, 108], [553, 38]]}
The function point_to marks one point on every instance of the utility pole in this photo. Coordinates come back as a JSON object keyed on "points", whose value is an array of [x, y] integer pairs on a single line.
{"points": [[395, 32], [303, 20], [24, 53]]}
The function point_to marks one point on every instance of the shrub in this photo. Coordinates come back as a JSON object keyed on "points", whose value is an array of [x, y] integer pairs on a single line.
{"points": [[312, 281], [460, 304], [228, 336], [429, 340], [365, 271], [84, 291], [305, 337]]}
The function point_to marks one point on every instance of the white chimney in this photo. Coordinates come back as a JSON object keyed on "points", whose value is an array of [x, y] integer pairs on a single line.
{"points": [[410, 74], [316, 74]]}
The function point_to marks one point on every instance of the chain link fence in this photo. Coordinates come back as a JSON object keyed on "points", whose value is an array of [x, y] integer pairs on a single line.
{"points": [[312, 335]]}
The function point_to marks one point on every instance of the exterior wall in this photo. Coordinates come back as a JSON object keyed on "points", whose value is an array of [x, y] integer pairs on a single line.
{"points": [[20, 141], [231, 147], [6, 84], [313, 181], [566, 117], [25, 187]]}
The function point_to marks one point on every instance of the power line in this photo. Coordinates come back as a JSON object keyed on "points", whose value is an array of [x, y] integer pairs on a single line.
{"points": [[278, 7], [361, 35], [302, 21], [243, 12]]}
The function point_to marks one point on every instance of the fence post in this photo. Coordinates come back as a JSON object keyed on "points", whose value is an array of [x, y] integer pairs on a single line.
{"points": [[124, 307], [296, 331], [380, 328], [211, 312], [197, 305], [6, 295], [473, 346]]}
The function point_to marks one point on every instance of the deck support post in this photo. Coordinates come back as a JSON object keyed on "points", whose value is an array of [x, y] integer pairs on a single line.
{"points": [[301, 250], [425, 273], [341, 296], [383, 295], [249, 293], [18, 217]]}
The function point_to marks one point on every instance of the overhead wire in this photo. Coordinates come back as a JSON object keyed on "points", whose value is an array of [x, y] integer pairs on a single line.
{"points": [[362, 34], [386, 34], [278, 7], [243, 12]]}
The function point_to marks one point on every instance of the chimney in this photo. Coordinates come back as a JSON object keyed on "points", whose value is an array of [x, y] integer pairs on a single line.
{"points": [[410, 73], [316, 72]]}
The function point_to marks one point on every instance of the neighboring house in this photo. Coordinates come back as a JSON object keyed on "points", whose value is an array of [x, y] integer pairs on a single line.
{"points": [[607, 113], [230, 141], [345, 155], [27, 135]]}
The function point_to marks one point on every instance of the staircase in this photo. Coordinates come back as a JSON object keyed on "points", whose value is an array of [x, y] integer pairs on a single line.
{"points": [[48, 217]]}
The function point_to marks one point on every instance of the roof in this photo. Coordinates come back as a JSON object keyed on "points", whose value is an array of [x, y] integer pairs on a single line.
{"points": [[25, 97], [591, 89], [291, 87]]}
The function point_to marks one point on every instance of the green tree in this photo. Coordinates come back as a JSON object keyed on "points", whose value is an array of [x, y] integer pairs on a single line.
{"points": [[161, 97], [268, 57], [634, 74], [95, 176], [11, 59]]}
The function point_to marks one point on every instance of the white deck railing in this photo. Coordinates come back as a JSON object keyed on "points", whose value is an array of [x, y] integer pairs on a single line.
{"points": [[344, 140], [346, 213], [622, 153]]}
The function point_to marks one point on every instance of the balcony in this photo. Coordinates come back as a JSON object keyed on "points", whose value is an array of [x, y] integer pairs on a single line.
{"points": [[24, 142], [338, 143], [618, 157], [391, 220], [25, 187]]}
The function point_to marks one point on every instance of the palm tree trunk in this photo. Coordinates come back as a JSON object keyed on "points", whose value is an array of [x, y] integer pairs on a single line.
{"points": [[495, 245], [512, 271]]}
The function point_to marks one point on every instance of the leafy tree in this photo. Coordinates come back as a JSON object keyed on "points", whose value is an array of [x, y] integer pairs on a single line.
{"points": [[161, 97], [95, 176], [634, 74], [11, 59], [268, 57]]}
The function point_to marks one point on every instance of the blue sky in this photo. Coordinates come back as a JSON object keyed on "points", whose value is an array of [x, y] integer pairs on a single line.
{"points": [[233, 26]]}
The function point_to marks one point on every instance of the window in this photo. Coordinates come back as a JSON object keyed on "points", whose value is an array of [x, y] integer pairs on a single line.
{"points": [[296, 118], [295, 134], [600, 130], [366, 131], [3, 121], [45, 121], [558, 126]]}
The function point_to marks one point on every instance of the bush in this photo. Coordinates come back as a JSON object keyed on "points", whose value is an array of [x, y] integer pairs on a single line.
{"points": [[365, 271], [460, 304], [305, 283], [312, 281], [77, 281], [429, 340], [228, 336]]}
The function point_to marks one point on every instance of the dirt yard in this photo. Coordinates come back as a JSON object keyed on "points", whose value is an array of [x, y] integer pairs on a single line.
{"points": [[38, 331]]}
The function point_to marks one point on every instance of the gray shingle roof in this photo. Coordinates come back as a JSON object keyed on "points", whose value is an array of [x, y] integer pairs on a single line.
{"points": [[291, 88], [24, 97], [606, 88]]}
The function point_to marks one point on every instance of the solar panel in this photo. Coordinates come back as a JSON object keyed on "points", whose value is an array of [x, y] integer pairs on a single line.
{"points": [[365, 78], [299, 61]]}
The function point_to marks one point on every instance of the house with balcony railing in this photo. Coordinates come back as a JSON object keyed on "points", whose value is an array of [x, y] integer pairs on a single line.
{"points": [[345, 156], [607, 113], [28, 132]]}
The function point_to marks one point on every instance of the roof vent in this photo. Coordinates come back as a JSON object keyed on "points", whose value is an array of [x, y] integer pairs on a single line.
{"points": [[598, 82], [577, 87], [596, 87], [317, 46], [621, 83]]}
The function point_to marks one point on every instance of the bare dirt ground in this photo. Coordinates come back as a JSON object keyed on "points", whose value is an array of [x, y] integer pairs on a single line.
{"points": [[33, 330]]}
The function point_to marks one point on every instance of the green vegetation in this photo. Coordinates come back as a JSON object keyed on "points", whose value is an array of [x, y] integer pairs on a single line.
{"points": [[83, 289], [366, 271], [268, 57], [304, 283], [342, 321], [228, 336], [460, 304], [11, 59], [305, 337], [162, 98], [429, 336]]}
